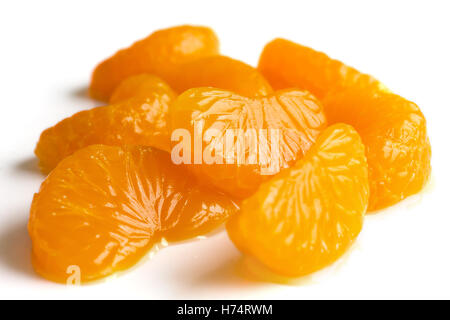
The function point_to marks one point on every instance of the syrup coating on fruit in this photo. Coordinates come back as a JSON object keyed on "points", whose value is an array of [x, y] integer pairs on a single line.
{"points": [[243, 141], [140, 85], [220, 72], [159, 54], [394, 132], [392, 128], [306, 217], [103, 208], [142, 120], [286, 64]]}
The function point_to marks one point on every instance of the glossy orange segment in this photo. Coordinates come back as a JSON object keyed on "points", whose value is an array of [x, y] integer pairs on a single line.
{"points": [[290, 65], [220, 72], [306, 217], [142, 120], [304, 143], [140, 85], [103, 208], [159, 54], [235, 142], [392, 128], [395, 134]]}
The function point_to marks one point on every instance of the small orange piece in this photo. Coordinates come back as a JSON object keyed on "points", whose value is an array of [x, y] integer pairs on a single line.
{"points": [[392, 128], [158, 54], [238, 142], [140, 85], [307, 216], [104, 207], [290, 65], [220, 72], [395, 134], [137, 121]]}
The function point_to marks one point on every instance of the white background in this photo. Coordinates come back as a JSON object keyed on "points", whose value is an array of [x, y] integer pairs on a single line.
{"points": [[48, 50]]}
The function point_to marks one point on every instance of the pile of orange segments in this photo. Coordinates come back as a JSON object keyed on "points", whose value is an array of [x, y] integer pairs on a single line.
{"points": [[290, 155]]}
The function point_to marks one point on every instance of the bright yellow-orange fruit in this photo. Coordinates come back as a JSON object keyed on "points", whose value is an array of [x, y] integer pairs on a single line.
{"points": [[140, 85], [286, 64], [306, 217], [395, 134], [392, 128], [103, 208], [158, 54], [220, 72], [235, 142], [142, 120]]}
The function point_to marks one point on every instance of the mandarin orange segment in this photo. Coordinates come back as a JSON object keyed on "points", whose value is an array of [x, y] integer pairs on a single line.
{"points": [[140, 85], [306, 217], [392, 128], [158, 54], [104, 207], [137, 121], [395, 134], [287, 64], [305, 162], [235, 142], [220, 72]]}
